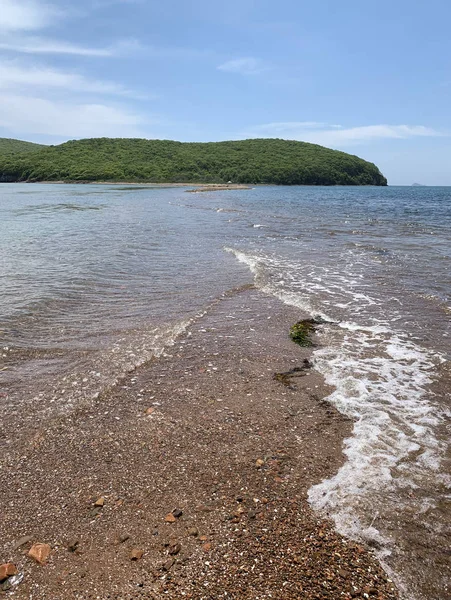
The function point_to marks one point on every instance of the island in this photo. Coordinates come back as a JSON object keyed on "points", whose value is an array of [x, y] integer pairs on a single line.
{"points": [[252, 161]]}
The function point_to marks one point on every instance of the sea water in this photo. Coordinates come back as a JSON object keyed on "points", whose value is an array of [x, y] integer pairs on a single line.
{"points": [[98, 279]]}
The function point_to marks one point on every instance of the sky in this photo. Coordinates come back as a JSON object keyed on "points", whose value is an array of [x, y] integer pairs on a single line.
{"points": [[369, 78]]}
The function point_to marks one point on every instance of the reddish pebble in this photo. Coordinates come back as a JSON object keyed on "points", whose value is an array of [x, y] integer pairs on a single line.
{"points": [[40, 553], [7, 570]]}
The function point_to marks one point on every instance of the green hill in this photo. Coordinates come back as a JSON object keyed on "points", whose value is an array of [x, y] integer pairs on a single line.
{"points": [[9, 146], [162, 161]]}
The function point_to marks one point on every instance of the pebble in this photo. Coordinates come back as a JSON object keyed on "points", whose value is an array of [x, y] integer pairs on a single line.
{"points": [[7, 570], [136, 554], [99, 502], [168, 564], [174, 549], [40, 553], [170, 518], [193, 531], [177, 513]]}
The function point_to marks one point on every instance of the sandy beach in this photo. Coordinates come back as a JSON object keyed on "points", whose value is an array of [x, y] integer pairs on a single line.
{"points": [[189, 477]]}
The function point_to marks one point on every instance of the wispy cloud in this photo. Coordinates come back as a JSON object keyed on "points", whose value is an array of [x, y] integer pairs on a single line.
{"points": [[26, 15], [244, 66], [30, 77], [68, 120], [39, 45], [338, 136]]}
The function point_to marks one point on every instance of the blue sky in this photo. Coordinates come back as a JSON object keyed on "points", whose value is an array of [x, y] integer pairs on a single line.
{"points": [[370, 78]]}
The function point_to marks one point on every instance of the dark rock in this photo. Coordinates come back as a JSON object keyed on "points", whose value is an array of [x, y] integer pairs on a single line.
{"points": [[72, 546], [168, 564], [177, 513]]}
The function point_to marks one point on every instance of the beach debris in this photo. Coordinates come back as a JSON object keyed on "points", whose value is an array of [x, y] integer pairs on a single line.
{"points": [[40, 553], [11, 582], [22, 541], [136, 554], [7, 570], [100, 502]]}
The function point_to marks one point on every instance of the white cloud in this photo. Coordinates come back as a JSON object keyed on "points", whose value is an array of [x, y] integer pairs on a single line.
{"points": [[28, 115], [37, 45], [19, 76], [290, 126], [337, 136], [244, 66], [26, 15]]}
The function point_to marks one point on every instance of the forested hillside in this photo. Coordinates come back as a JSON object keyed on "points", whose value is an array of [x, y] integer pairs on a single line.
{"points": [[248, 161], [9, 146]]}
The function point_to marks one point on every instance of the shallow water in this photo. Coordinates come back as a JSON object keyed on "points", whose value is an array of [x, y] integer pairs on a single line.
{"points": [[96, 280]]}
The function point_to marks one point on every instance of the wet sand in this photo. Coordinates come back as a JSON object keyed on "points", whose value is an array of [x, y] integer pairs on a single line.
{"points": [[205, 431]]}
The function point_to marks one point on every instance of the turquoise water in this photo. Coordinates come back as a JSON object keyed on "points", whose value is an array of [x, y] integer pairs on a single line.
{"points": [[98, 279]]}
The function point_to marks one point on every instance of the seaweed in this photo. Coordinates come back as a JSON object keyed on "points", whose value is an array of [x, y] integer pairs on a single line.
{"points": [[287, 377], [301, 331]]}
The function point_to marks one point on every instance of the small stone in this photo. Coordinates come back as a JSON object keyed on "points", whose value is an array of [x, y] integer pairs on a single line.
{"points": [[136, 554], [150, 410], [177, 513], [343, 573], [170, 518], [252, 514], [73, 545], [203, 538], [99, 502], [40, 553], [175, 549], [123, 537], [22, 541], [7, 570], [168, 564], [206, 547], [259, 463], [193, 531]]}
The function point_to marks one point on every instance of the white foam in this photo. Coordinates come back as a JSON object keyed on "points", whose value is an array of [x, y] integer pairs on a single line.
{"points": [[380, 378]]}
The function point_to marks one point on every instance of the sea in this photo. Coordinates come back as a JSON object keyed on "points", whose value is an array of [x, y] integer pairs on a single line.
{"points": [[96, 280]]}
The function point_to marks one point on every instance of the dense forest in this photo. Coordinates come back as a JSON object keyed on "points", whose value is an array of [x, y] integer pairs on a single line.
{"points": [[161, 161], [9, 146]]}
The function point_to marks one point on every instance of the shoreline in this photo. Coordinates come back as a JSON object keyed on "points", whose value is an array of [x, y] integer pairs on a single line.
{"points": [[206, 430]]}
